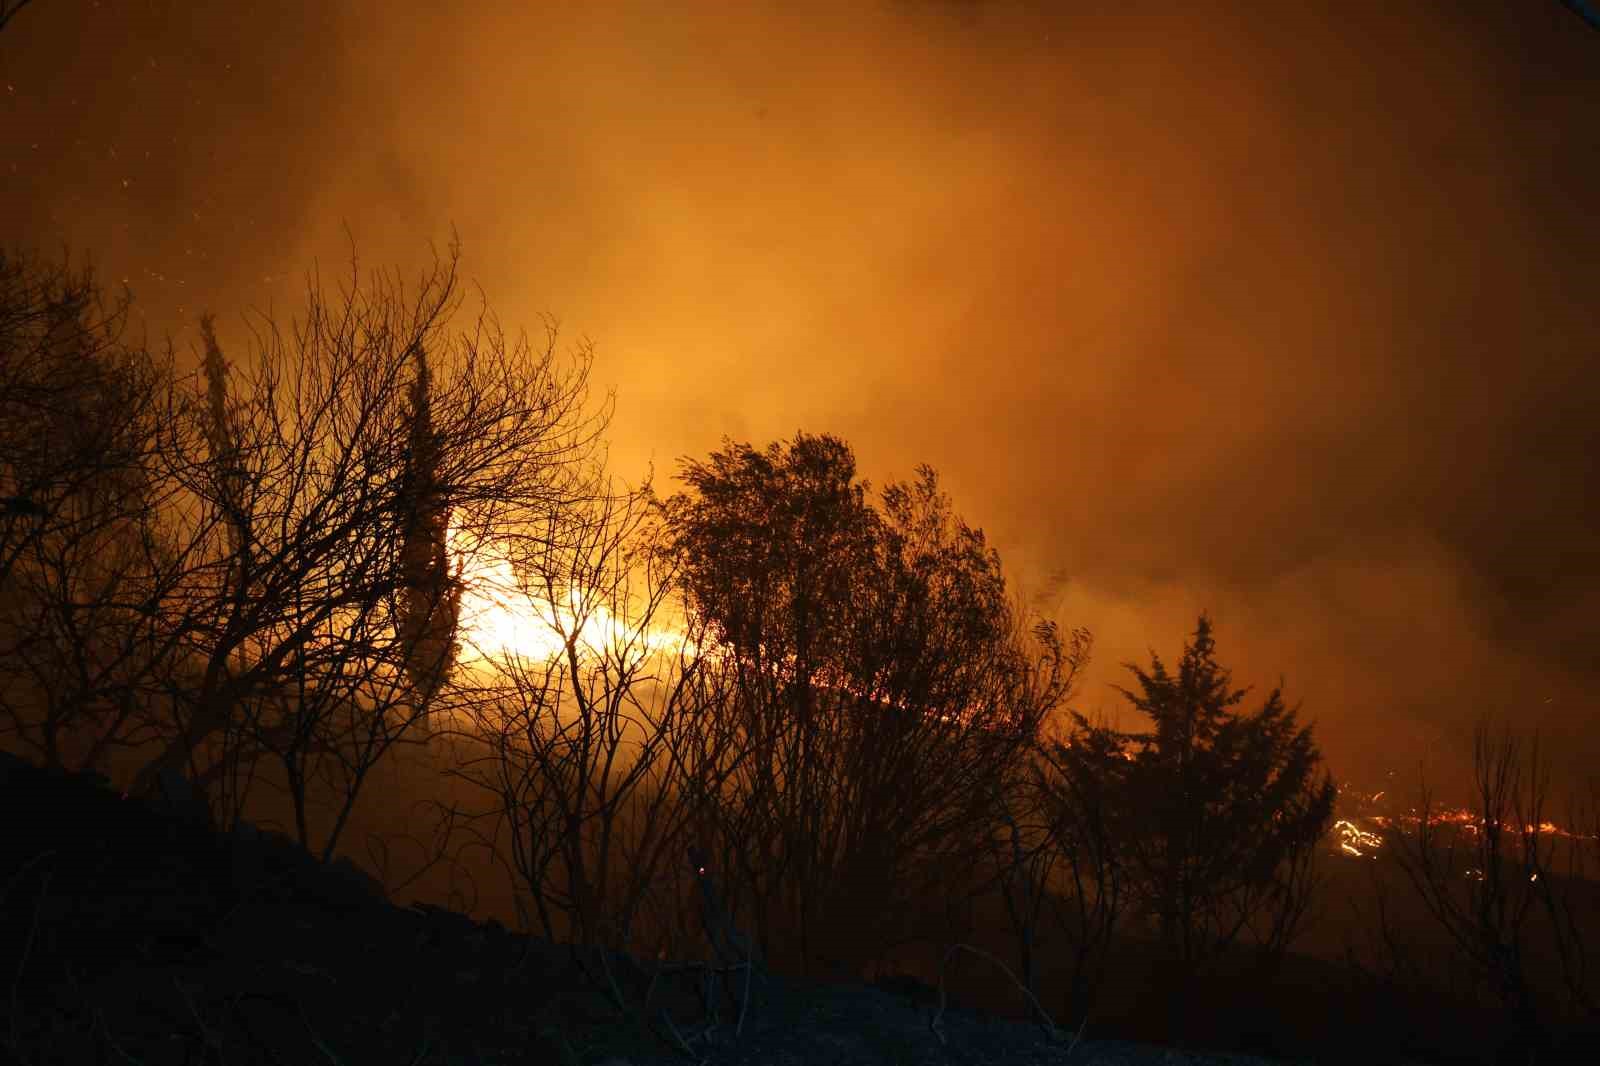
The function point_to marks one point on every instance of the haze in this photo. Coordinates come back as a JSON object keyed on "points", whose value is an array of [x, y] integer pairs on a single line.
{"points": [[1287, 316]]}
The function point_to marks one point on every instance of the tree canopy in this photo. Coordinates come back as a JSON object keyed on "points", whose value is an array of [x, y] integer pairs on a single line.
{"points": [[888, 682], [1219, 811]]}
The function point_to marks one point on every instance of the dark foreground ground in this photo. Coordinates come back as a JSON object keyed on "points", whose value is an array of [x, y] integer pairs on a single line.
{"points": [[127, 936], [308, 983]]}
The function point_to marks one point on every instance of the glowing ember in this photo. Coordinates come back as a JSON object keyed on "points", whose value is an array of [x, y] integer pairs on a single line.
{"points": [[1360, 832], [1353, 840]]}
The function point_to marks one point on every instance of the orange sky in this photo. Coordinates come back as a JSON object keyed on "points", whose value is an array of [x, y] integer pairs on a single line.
{"points": [[1289, 317]]}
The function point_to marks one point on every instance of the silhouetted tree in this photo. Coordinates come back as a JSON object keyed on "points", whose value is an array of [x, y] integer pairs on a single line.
{"points": [[1076, 792], [607, 733], [431, 596], [86, 561], [770, 545], [1494, 883], [9, 10], [222, 439], [1574, 915], [309, 514], [1220, 812], [883, 688]]}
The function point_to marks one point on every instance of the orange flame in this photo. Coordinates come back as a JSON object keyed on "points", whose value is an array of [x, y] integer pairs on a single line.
{"points": [[501, 618]]}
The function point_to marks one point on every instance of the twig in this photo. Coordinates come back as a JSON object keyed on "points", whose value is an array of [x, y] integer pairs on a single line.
{"points": [[212, 1040], [1078, 1035], [317, 1040], [679, 1037], [744, 1003], [616, 992], [27, 947], [933, 1023]]}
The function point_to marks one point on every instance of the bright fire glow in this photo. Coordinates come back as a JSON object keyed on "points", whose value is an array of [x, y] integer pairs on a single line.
{"points": [[501, 620], [1361, 833]]}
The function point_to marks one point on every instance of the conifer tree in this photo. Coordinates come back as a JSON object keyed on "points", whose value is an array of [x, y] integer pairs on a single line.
{"points": [[1216, 814], [430, 601], [1220, 803], [222, 435]]}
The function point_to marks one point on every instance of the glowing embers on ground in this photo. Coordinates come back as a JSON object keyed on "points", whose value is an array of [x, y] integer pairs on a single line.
{"points": [[1362, 831], [502, 619], [1354, 840]]}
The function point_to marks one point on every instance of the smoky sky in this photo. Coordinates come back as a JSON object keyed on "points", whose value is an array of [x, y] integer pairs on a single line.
{"points": [[1287, 315]]}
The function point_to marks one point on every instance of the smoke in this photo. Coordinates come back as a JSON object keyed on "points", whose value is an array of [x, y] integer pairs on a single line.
{"points": [[1286, 315]]}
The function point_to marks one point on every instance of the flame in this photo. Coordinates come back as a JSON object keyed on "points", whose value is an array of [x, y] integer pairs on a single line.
{"points": [[502, 619], [1351, 836], [1353, 840]]}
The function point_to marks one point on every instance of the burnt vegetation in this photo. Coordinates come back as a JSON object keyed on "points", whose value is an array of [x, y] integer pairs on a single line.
{"points": [[784, 727]]}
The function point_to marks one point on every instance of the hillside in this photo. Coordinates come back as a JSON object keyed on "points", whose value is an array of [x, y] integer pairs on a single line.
{"points": [[139, 935]]}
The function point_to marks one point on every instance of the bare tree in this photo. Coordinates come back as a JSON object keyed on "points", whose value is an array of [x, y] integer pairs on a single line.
{"points": [[308, 504], [607, 733], [1075, 792], [1572, 907], [87, 563], [1486, 883], [71, 414]]}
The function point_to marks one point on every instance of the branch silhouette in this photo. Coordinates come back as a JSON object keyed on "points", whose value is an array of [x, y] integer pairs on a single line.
{"points": [[10, 11]]}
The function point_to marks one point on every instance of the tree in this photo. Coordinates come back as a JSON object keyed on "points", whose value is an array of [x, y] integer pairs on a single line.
{"points": [[431, 593], [314, 487], [1489, 883], [73, 418], [1075, 874], [1220, 812], [954, 683], [883, 690], [87, 560], [769, 546], [603, 739]]}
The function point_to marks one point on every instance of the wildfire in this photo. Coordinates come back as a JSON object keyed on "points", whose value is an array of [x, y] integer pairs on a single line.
{"points": [[1353, 840], [1351, 835], [501, 618]]}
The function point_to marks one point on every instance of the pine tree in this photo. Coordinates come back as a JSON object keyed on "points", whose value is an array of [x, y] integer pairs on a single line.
{"points": [[1219, 802], [1216, 814]]}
